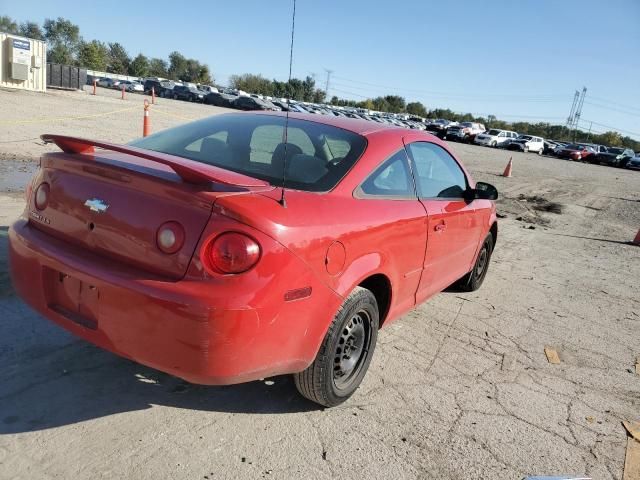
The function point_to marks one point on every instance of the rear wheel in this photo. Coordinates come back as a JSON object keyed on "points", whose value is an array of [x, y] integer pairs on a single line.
{"points": [[540, 152], [494, 144], [473, 280], [345, 353]]}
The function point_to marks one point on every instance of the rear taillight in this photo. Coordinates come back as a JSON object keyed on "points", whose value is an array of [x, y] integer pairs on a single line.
{"points": [[170, 237], [42, 196], [230, 252]]}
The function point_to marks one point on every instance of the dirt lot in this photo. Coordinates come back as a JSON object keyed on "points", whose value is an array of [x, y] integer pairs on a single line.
{"points": [[458, 388]]}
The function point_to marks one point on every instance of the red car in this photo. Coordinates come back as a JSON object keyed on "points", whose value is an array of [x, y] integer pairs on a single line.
{"points": [[183, 252], [577, 152]]}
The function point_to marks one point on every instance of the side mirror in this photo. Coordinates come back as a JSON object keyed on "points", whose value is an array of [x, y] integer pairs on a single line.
{"points": [[485, 191]]}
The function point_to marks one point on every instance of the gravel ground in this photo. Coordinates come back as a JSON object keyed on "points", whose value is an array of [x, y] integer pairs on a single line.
{"points": [[458, 388]]}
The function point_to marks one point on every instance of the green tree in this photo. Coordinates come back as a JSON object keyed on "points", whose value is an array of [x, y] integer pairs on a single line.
{"points": [[417, 108], [177, 65], [93, 55], [319, 96], [31, 30], [139, 66], [613, 139], [381, 104], [158, 68], [8, 25], [63, 40], [396, 103], [253, 83], [119, 59]]}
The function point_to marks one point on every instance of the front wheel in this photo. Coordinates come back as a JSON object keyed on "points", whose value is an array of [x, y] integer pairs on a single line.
{"points": [[472, 281], [345, 353]]}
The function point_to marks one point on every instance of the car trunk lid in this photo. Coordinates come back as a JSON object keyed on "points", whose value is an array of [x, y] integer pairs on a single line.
{"points": [[113, 202]]}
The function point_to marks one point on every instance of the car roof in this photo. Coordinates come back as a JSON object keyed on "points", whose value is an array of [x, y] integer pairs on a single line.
{"points": [[355, 125]]}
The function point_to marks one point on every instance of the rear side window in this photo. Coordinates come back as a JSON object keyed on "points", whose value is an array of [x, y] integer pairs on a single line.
{"points": [[392, 179], [316, 156], [436, 172]]}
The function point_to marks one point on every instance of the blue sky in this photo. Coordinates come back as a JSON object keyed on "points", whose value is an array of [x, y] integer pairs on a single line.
{"points": [[518, 60]]}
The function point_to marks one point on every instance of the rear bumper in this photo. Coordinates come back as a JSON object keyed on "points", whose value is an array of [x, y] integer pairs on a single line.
{"points": [[202, 332]]}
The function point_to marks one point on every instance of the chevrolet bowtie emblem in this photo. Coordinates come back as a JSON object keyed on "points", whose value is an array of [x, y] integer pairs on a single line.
{"points": [[96, 205]]}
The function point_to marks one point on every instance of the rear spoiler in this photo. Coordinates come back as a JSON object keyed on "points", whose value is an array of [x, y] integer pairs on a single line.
{"points": [[189, 171]]}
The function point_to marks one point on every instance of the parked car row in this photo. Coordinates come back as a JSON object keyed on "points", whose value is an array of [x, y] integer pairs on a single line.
{"points": [[586, 152], [467, 132]]}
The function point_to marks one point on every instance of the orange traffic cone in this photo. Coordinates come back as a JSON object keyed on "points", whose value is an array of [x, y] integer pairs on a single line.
{"points": [[636, 241], [507, 171]]}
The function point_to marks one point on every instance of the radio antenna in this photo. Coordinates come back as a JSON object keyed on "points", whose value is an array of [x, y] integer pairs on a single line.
{"points": [[285, 136]]}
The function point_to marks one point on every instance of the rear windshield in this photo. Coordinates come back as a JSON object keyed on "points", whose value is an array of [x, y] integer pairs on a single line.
{"points": [[317, 155]]}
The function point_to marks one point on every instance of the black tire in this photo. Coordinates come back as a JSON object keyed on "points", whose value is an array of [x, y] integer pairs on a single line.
{"points": [[494, 144], [175, 97], [472, 281], [337, 372]]}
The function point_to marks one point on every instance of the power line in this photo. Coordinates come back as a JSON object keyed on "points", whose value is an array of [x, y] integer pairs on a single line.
{"points": [[474, 98], [613, 109], [614, 128], [603, 100], [450, 94]]}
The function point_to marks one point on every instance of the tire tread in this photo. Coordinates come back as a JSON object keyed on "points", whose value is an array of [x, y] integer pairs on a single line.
{"points": [[309, 382]]}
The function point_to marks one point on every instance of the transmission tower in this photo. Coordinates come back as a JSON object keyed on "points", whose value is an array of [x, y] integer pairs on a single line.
{"points": [[576, 116], [576, 96]]}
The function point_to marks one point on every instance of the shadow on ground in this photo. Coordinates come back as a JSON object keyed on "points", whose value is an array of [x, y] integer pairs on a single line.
{"points": [[55, 380]]}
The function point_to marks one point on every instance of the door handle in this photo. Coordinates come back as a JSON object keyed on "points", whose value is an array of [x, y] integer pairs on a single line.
{"points": [[441, 227]]}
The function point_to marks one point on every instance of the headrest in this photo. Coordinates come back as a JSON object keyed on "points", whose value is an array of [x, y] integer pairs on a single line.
{"points": [[215, 151], [306, 168]]}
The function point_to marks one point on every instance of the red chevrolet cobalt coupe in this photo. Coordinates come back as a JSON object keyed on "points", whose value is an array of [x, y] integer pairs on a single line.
{"points": [[183, 252]]}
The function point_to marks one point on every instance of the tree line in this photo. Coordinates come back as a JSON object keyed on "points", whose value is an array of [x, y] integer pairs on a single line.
{"points": [[296, 89], [65, 45]]}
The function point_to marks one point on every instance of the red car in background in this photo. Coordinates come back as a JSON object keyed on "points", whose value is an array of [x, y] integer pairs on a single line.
{"points": [[576, 151], [183, 252]]}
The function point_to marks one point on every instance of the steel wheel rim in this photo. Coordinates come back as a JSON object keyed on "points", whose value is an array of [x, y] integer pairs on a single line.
{"points": [[482, 262], [352, 349]]}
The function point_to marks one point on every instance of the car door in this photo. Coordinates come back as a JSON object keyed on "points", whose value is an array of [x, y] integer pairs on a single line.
{"points": [[400, 219], [453, 228]]}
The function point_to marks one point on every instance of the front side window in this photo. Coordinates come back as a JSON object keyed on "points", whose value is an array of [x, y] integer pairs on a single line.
{"points": [[318, 156], [392, 179], [436, 172]]}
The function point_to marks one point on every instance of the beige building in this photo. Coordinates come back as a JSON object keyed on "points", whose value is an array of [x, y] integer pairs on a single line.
{"points": [[23, 63]]}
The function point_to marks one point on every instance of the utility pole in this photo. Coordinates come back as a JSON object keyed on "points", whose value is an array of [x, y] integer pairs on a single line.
{"points": [[326, 85], [589, 133]]}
